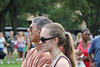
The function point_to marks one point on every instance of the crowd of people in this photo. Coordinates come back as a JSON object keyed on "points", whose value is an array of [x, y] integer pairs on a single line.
{"points": [[13, 42], [53, 46]]}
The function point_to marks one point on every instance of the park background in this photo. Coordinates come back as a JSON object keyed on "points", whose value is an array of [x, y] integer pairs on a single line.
{"points": [[74, 15], [70, 13]]}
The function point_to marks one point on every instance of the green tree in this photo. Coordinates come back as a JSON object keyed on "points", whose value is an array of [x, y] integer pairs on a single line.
{"points": [[4, 7], [20, 8], [90, 10], [62, 14]]}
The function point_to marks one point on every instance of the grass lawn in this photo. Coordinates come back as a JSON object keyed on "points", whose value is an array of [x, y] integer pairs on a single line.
{"points": [[16, 64]]}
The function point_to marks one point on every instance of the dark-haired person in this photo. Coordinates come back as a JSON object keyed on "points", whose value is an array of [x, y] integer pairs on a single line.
{"points": [[51, 38], [83, 46]]}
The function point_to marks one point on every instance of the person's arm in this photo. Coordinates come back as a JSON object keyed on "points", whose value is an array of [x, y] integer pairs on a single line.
{"points": [[75, 45], [90, 52], [85, 58], [90, 58], [23, 40], [92, 64], [6, 43]]}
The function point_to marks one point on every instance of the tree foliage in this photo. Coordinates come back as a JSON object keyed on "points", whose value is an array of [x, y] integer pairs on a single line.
{"points": [[90, 10], [14, 12]]}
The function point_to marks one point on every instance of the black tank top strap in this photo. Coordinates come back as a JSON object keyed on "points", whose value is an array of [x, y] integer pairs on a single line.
{"points": [[65, 58]]}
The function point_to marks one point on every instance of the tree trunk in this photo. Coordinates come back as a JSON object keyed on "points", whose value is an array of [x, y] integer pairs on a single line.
{"points": [[3, 15], [13, 14], [2, 21], [14, 23]]}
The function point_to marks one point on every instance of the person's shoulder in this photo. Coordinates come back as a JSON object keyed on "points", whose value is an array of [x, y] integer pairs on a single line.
{"points": [[89, 41], [46, 54], [31, 50], [63, 62], [3, 38], [76, 44], [96, 38]]}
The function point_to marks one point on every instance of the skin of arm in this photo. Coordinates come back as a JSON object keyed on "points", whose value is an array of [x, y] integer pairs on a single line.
{"points": [[18, 40], [6, 43], [90, 58], [85, 58], [92, 64], [75, 45], [23, 40]]}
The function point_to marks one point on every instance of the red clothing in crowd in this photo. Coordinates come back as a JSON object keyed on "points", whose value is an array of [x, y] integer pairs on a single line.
{"points": [[84, 51]]}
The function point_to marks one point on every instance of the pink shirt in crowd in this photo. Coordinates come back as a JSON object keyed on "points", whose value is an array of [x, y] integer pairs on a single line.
{"points": [[36, 58], [84, 51]]}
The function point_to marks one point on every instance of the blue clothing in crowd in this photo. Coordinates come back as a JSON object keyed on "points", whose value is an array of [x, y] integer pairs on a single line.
{"points": [[2, 43], [95, 48]]}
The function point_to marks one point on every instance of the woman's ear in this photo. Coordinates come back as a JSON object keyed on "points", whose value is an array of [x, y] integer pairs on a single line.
{"points": [[56, 40]]}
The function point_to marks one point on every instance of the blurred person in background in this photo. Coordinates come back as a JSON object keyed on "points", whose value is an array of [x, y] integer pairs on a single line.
{"points": [[25, 39], [10, 48], [2, 41], [95, 50], [20, 46], [83, 46], [78, 37]]}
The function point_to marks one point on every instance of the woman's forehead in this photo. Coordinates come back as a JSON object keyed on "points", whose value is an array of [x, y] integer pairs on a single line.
{"points": [[45, 32]]}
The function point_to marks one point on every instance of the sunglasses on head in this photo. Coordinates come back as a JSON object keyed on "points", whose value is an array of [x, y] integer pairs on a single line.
{"points": [[86, 34], [44, 39]]}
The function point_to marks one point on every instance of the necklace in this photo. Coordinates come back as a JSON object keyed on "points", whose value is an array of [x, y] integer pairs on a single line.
{"points": [[56, 55], [54, 58]]}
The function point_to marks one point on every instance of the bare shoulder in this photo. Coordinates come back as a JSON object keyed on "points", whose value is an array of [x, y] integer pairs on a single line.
{"points": [[62, 63]]}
